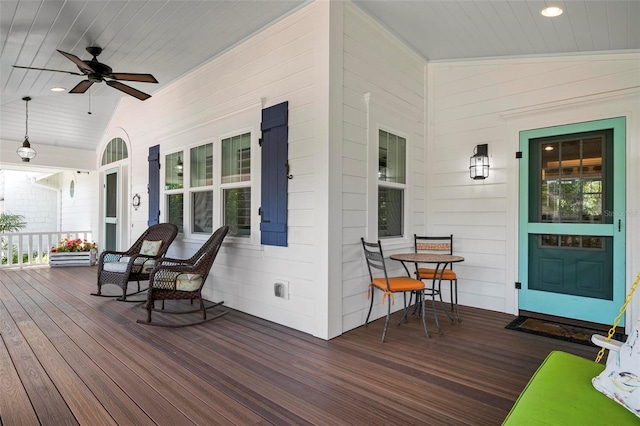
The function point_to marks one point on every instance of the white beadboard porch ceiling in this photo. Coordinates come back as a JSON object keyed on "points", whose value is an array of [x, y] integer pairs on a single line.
{"points": [[170, 38]]}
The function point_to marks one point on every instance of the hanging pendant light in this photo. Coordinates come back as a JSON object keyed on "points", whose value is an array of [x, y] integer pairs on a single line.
{"points": [[25, 151], [179, 166]]}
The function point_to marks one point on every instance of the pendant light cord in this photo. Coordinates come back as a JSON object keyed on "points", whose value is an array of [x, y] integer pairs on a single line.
{"points": [[26, 125]]}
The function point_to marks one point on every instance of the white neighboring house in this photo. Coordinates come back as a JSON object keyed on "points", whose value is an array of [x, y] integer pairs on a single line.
{"points": [[26, 195], [65, 201]]}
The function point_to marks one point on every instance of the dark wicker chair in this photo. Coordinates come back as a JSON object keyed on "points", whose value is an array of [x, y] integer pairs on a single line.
{"points": [[135, 264], [182, 279]]}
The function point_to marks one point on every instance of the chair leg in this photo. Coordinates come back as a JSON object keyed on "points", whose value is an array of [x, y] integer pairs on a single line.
{"points": [[150, 305], [442, 302], [204, 311], [370, 306], [454, 298], [433, 303], [416, 307], [386, 323], [405, 311]]}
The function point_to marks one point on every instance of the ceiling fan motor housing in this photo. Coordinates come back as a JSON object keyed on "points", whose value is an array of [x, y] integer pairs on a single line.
{"points": [[100, 70]]}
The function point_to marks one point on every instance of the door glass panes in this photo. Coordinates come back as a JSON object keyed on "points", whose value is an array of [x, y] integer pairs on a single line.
{"points": [[173, 171], [111, 205], [392, 157], [390, 212], [237, 211], [202, 212], [110, 231], [201, 165], [236, 159], [175, 209], [572, 180], [575, 241]]}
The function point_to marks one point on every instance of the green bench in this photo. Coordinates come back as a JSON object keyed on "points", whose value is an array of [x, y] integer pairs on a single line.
{"points": [[561, 393]]}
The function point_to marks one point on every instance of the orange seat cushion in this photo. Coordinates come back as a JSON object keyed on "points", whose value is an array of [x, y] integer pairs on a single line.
{"points": [[427, 274], [399, 284]]}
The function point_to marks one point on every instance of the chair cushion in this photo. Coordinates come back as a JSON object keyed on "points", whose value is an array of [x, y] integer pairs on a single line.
{"points": [[182, 282], [150, 248], [121, 266], [427, 273], [188, 282], [620, 380], [399, 284]]}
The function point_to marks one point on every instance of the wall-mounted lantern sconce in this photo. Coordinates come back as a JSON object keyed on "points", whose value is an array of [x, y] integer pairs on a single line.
{"points": [[135, 201], [479, 162]]}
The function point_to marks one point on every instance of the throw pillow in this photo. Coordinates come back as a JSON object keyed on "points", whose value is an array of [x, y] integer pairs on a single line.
{"points": [[150, 248], [620, 380]]}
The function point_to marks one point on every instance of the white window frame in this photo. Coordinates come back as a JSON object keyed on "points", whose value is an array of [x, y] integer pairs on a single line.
{"points": [[253, 183], [245, 120], [392, 185], [166, 192], [381, 117], [191, 190]]}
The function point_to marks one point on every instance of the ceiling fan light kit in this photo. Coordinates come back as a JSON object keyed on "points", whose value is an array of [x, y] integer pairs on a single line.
{"points": [[97, 72], [25, 151]]}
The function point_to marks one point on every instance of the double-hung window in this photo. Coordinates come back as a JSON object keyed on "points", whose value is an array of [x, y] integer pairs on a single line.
{"points": [[235, 184], [174, 189], [201, 189], [392, 180]]}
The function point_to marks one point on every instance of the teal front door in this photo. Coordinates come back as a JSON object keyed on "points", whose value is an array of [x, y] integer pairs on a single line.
{"points": [[571, 220]]}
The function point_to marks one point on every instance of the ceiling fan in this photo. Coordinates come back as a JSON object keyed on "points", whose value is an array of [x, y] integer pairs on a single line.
{"points": [[97, 71]]}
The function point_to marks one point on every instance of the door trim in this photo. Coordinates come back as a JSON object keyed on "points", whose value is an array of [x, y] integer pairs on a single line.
{"points": [[618, 125], [117, 222]]}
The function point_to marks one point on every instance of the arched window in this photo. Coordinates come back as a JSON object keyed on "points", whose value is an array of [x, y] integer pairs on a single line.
{"points": [[116, 150]]}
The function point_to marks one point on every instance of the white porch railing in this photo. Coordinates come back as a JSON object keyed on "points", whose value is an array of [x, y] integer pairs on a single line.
{"points": [[32, 248]]}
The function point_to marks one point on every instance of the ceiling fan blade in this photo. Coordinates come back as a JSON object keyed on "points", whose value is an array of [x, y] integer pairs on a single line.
{"points": [[143, 78], [47, 69], [79, 62], [81, 87], [128, 90]]}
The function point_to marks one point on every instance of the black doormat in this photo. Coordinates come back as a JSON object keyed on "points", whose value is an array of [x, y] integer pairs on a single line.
{"points": [[556, 330]]}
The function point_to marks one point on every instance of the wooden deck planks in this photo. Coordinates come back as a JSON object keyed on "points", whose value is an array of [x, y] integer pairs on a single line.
{"points": [[244, 370], [160, 383], [15, 407], [47, 402]]}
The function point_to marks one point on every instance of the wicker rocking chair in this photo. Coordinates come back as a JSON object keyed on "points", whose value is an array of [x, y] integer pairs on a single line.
{"points": [[183, 279], [135, 264]]}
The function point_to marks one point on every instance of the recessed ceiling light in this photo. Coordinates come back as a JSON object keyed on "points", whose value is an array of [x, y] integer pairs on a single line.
{"points": [[58, 89], [551, 11]]}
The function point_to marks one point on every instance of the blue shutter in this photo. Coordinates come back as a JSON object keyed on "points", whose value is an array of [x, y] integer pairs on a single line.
{"points": [[274, 143], [153, 187]]}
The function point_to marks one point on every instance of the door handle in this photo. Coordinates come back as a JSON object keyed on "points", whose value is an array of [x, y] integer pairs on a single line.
{"points": [[619, 224]]}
